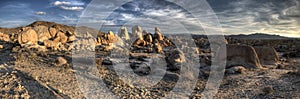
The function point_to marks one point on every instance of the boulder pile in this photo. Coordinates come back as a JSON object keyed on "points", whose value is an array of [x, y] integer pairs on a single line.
{"points": [[4, 37], [150, 43]]}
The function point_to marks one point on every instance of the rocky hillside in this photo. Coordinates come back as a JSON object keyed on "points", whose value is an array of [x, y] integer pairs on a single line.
{"points": [[37, 61]]}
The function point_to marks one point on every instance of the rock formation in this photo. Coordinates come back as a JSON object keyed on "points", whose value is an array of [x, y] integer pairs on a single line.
{"points": [[137, 32], [111, 37], [148, 37], [51, 44], [175, 58], [158, 35], [4, 37], [242, 55], [123, 33], [151, 44], [267, 55], [42, 32], [27, 36]]}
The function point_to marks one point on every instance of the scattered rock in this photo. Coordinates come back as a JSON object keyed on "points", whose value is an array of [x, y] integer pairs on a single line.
{"points": [[236, 69], [141, 69], [268, 90], [107, 62], [61, 61]]}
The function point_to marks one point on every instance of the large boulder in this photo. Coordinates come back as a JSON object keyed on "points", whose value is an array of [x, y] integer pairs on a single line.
{"points": [[71, 38], [123, 33], [42, 32], [267, 55], [175, 58], [137, 32], [61, 37], [144, 32], [111, 37], [27, 36], [4, 37], [242, 55], [52, 32], [148, 38], [158, 35], [52, 44], [139, 42], [158, 48]]}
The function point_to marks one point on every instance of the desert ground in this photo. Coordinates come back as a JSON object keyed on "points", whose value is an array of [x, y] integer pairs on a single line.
{"points": [[38, 61]]}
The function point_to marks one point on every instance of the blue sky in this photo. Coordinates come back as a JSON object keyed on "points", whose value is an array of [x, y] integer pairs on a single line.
{"points": [[280, 17]]}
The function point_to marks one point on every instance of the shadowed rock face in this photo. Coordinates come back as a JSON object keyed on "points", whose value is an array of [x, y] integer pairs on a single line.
{"points": [[267, 55], [242, 55]]}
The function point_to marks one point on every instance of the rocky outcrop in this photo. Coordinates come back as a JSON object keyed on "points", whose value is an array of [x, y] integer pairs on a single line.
{"points": [[4, 37], [151, 44], [27, 36], [51, 44], [242, 55], [123, 33], [52, 32], [148, 37], [175, 58], [158, 35], [267, 55], [137, 32], [61, 37], [42, 32], [111, 37], [158, 48]]}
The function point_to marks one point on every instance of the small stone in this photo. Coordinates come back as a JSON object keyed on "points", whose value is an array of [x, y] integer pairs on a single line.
{"points": [[107, 62], [61, 61]]}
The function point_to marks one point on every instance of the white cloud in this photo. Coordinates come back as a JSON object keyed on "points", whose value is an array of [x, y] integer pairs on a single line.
{"points": [[57, 3], [75, 8], [40, 13], [72, 5]]}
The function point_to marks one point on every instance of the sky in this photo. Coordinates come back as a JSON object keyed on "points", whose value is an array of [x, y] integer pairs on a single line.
{"points": [[280, 17]]}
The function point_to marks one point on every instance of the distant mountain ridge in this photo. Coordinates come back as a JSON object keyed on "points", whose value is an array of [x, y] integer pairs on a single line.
{"points": [[257, 36]]}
